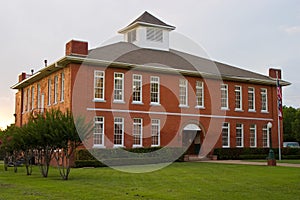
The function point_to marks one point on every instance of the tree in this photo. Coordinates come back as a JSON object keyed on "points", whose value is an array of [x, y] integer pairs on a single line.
{"points": [[291, 124]]}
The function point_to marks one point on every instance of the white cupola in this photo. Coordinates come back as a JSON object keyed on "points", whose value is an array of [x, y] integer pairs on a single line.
{"points": [[148, 32]]}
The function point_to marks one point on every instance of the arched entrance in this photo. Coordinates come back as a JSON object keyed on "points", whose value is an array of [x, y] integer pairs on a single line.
{"points": [[192, 137]]}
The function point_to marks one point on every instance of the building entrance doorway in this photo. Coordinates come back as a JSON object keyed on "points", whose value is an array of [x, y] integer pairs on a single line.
{"points": [[192, 138]]}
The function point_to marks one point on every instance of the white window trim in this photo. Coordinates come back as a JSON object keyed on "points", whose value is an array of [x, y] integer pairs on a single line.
{"points": [[62, 87], [201, 87], [28, 99], [122, 97], [49, 91], [141, 136], [240, 90], [242, 136], [253, 93], [32, 98], [266, 93], [55, 89], [158, 90], [255, 136], [141, 88], [122, 142], [228, 136], [158, 136], [38, 96], [265, 128], [227, 106], [103, 133], [103, 95], [185, 96]]}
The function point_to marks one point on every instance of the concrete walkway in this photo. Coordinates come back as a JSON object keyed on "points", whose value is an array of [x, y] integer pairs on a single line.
{"points": [[241, 162]]}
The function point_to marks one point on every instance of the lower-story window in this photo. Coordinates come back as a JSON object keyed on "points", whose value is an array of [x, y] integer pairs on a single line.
{"points": [[239, 135], [137, 132], [98, 131], [155, 132], [265, 136], [252, 135], [225, 135], [118, 131]]}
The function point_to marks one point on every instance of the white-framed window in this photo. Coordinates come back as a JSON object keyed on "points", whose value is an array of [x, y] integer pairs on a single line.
{"points": [[265, 136], [39, 96], [239, 135], [28, 99], [154, 34], [136, 88], [226, 135], [155, 132], [238, 98], [98, 131], [224, 96], [62, 87], [32, 98], [131, 36], [199, 94], [251, 99], [264, 99], [118, 132], [99, 85], [137, 132], [183, 92], [118, 87], [253, 135], [55, 89], [154, 90], [49, 91], [24, 101]]}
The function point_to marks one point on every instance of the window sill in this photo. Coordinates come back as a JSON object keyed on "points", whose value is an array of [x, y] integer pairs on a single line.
{"points": [[225, 147], [99, 147], [157, 145], [99, 100], [264, 111], [154, 104], [137, 146], [199, 107], [183, 106], [239, 146], [118, 146], [238, 110], [227, 109], [137, 103], [253, 111], [119, 101]]}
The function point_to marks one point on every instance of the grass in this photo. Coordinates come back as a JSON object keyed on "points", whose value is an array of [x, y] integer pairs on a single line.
{"points": [[278, 161], [177, 181]]}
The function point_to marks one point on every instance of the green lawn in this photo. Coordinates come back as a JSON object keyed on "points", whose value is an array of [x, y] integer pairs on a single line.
{"points": [[177, 181], [278, 161]]}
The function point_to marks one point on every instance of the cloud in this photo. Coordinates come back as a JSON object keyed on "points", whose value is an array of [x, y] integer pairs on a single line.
{"points": [[292, 30]]}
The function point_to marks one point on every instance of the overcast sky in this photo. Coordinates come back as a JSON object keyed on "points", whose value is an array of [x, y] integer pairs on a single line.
{"points": [[253, 35]]}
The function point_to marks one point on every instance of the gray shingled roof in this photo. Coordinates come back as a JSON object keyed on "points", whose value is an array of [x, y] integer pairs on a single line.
{"points": [[149, 19], [124, 52]]}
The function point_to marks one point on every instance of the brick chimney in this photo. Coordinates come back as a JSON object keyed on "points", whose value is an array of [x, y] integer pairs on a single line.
{"points": [[76, 48], [273, 73], [22, 76]]}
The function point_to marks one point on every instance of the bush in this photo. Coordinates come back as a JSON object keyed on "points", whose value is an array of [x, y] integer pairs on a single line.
{"points": [[88, 163], [254, 153]]}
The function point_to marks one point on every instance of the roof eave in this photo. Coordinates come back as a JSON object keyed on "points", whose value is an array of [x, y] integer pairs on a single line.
{"points": [[145, 24]]}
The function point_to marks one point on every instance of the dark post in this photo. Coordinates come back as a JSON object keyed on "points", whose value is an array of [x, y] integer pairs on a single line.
{"points": [[271, 156]]}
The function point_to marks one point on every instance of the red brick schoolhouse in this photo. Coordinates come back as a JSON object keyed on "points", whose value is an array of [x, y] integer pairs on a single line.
{"points": [[141, 93]]}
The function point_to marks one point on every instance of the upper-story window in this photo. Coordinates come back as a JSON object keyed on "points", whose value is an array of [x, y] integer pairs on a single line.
{"points": [[62, 87], [154, 90], [28, 99], [238, 97], [49, 91], [251, 99], [183, 92], [39, 96], [224, 96], [200, 94], [32, 98], [131, 36], [154, 34], [264, 99], [118, 87], [99, 85], [55, 89], [137, 88]]}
